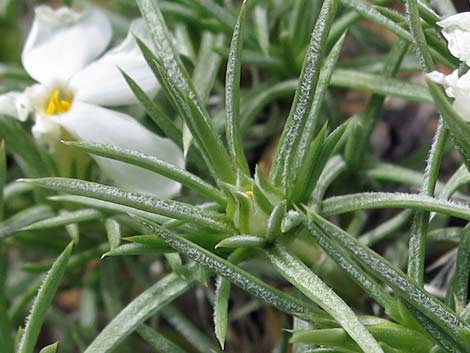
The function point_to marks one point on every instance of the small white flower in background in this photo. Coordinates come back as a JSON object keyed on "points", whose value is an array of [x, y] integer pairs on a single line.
{"points": [[456, 30], [62, 53], [456, 87]]}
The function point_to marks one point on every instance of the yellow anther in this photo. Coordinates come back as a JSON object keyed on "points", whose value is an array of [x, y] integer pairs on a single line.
{"points": [[64, 105], [249, 194], [57, 103]]}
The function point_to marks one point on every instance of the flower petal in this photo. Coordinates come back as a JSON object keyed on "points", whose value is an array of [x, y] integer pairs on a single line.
{"points": [[448, 81], [91, 123], [16, 105], [46, 130], [456, 87], [456, 29], [102, 82], [61, 42], [462, 106]]}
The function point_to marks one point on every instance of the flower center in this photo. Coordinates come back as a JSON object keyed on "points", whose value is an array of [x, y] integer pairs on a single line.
{"points": [[59, 102]]}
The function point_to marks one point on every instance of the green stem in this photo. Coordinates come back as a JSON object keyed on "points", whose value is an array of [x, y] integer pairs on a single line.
{"points": [[417, 245], [414, 23]]}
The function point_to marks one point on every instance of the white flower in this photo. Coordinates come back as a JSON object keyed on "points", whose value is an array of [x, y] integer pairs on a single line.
{"points": [[456, 29], [62, 54], [456, 87]]}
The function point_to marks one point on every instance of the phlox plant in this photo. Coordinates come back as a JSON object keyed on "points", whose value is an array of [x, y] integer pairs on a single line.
{"points": [[206, 158]]}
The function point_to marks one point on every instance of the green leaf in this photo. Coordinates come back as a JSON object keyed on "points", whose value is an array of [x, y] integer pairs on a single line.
{"points": [[16, 189], [459, 128], [88, 311], [304, 163], [199, 126], [392, 334], [36, 161], [252, 106], [457, 291], [110, 288], [108, 207], [302, 17], [436, 46], [299, 324], [183, 42], [342, 24], [17, 310], [161, 119], [175, 263], [253, 57], [416, 30], [450, 234], [444, 7], [153, 164], [357, 274], [430, 307], [238, 241], [465, 315], [67, 218], [232, 94], [186, 328], [367, 11], [140, 309], [113, 231], [207, 241], [299, 113], [261, 199], [13, 72], [222, 296], [419, 227], [457, 180], [307, 168], [273, 228], [336, 337], [394, 173], [315, 289], [261, 27], [386, 229], [349, 78], [23, 219], [360, 138], [238, 276], [226, 20], [343, 78], [207, 64], [428, 14], [315, 162], [371, 200], [180, 11], [334, 167], [216, 154], [157, 341], [52, 348], [42, 302], [175, 79], [438, 334], [165, 48], [205, 73], [137, 249], [136, 200]]}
